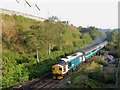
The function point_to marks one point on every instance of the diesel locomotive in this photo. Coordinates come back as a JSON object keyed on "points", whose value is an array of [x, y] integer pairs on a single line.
{"points": [[68, 64]]}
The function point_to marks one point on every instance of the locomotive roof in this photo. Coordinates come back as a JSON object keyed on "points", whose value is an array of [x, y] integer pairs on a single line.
{"points": [[70, 57]]}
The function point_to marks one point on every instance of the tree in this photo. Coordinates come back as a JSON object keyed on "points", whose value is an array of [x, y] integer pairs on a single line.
{"points": [[112, 36], [59, 36], [53, 18], [80, 28], [108, 36], [93, 32], [35, 38], [49, 34], [86, 38], [115, 36]]}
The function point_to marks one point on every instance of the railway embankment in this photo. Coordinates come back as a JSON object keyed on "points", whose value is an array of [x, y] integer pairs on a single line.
{"points": [[20, 38], [92, 75]]}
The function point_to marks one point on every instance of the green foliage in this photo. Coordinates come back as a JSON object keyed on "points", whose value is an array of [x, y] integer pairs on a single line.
{"points": [[21, 41], [101, 76], [93, 32], [80, 79], [97, 75], [19, 27], [100, 61], [91, 83], [16, 73], [102, 52], [86, 38], [56, 48], [112, 36], [114, 43], [34, 26], [77, 80], [24, 19], [102, 36], [109, 79]]}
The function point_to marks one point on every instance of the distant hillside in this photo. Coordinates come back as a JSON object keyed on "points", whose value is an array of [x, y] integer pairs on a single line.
{"points": [[104, 30], [118, 29]]}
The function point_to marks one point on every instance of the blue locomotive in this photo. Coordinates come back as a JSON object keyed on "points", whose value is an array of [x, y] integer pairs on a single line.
{"points": [[68, 64]]}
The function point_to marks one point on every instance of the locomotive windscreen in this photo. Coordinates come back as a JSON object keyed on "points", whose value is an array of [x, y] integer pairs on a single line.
{"points": [[60, 61]]}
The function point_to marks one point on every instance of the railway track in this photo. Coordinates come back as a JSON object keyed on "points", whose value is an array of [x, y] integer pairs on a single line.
{"points": [[45, 81], [48, 82]]}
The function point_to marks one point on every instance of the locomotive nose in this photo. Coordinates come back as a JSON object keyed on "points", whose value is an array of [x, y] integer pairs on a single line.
{"points": [[57, 72], [57, 69]]}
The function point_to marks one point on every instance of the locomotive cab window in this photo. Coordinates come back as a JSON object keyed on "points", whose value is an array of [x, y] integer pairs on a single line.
{"points": [[60, 61]]}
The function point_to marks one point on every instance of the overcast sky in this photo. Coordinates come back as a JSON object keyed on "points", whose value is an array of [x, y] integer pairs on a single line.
{"points": [[98, 13]]}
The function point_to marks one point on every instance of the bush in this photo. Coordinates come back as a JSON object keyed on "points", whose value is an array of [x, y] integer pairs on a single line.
{"points": [[100, 61], [109, 79], [97, 75], [102, 52], [56, 48], [15, 74], [20, 27], [91, 83]]}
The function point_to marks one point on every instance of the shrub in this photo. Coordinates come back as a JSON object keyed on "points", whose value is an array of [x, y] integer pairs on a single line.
{"points": [[20, 27], [100, 61], [102, 52], [56, 48], [15, 74], [91, 83], [109, 79], [97, 75]]}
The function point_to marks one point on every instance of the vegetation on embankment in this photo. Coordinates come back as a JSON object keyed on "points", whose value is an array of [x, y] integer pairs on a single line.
{"points": [[119, 77], [113, 38], [91, 76], [22, 37]]}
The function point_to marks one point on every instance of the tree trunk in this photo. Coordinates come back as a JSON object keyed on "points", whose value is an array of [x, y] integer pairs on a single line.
{"points": [[49, 48], [61, 48], [37, 56]]}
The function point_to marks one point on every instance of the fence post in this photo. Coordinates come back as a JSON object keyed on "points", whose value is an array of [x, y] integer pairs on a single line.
{"points": [[116, 83]]}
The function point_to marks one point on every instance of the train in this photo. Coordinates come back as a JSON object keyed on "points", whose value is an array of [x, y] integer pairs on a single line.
{"points": [[68, 64]]}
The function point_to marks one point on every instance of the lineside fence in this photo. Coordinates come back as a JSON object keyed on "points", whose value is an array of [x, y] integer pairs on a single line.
{"points": [[116, 83]]}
